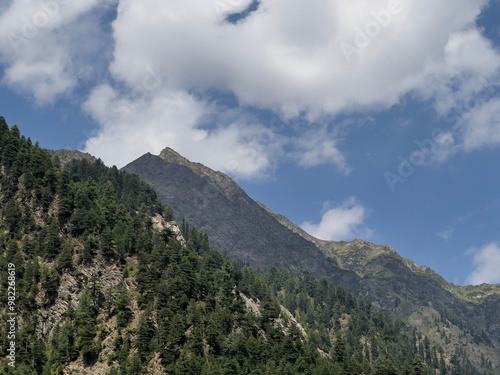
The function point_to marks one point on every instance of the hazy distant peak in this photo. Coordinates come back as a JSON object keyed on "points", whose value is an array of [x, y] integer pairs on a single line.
{"points": [[64, 156]]}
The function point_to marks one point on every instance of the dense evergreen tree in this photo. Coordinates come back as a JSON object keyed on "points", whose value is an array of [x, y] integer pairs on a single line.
{"points": [[130, 296]]}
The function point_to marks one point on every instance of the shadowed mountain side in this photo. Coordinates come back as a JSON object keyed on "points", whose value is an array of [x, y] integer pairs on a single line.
{"points": [[234, 223]]}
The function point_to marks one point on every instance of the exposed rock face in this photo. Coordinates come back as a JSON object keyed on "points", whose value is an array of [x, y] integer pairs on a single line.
{"points": [[284, 321], [160, 224], [251, 305], [292, 321], [104, 274]]}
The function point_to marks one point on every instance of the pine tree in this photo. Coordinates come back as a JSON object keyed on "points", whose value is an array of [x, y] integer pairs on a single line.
{"points": [[270, 309], [65, 209], [12, 217], [65, 258], [122, 306], [338, 352], [107, 205], [384, 366], [50, 283], [418, 367], [144, 334], [85, 320], [53, 241], [169, 213], [107, 243]]}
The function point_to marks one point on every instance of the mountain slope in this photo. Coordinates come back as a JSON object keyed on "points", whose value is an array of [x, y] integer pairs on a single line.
{"points": [[235, 224], [103, 285], [247, 231], [361, 257], [419, 293], [106, 285]]}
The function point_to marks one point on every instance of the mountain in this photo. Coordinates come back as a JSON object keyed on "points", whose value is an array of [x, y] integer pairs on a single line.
{"points": [[474, 305], [97, 279], [62, 157], [250, 233], [235, 224]]}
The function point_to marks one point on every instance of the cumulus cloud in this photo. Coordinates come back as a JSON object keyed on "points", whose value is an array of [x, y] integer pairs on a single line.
{"points": [[487, 263], [340, 222], [301, 60], [148, 122], [459, 81], [476, 129], [464, 92], [289, 57], [290, 53], [46, 47]]}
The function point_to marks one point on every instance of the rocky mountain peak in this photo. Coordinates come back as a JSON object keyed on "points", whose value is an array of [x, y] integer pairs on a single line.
{"points": [[222, 182], [171, 156]]}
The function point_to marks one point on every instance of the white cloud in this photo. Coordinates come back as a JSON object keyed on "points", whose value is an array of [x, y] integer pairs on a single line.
{"points": [[476, 129], [446, 233], [487, 263], [481, 126], [457, 82], [318, 147], [464, 87], [46, 47], [341, 222], [152, 121], [290, 53], [445, 146], [286, 56]]}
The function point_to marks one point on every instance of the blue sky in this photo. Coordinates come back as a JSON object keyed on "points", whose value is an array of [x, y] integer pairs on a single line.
{"points": [[355, 119]]}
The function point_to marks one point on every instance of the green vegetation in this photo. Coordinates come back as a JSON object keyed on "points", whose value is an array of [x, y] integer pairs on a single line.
{"points": [[99, 286]]}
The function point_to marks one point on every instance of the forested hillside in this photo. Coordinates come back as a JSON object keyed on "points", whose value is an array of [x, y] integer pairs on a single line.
{"points": [[104, 284], [249, 233]]}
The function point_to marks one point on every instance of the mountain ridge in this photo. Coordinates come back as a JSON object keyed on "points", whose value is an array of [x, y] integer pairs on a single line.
{"points": [[203, 201], [462, 291], [241, 228], [223, 181]]}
